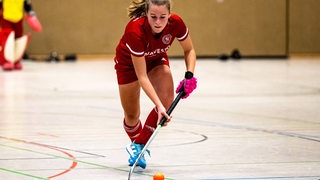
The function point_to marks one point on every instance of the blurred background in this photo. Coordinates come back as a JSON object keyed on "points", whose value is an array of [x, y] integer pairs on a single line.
{"points": [[257, 28]]}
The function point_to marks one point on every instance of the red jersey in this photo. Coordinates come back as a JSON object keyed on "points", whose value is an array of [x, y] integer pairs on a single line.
{"points": [[138, 40]]}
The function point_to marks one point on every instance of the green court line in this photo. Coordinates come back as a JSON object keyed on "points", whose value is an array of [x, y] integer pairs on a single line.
{"points": [[61, 157], [24, 174], [75, 160]]}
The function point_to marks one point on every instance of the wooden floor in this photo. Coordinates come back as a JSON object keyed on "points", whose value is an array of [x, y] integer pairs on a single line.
{"points": [[248, 119]]}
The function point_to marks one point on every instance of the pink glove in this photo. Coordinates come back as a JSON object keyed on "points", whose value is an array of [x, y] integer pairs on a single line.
{"points": [[187, 85]]}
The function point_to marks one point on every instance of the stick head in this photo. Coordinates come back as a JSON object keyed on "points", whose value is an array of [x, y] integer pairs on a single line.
{"points": [[34, 23]]}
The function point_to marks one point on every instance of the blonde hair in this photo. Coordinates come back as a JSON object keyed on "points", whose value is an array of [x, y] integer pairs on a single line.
{"points": [[140, 8]]}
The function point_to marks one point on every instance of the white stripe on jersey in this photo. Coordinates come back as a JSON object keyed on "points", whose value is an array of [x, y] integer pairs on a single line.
{"points": [[133, 52], [184, 36]]}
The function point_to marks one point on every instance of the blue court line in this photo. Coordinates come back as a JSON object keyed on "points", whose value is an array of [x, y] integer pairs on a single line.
{"points": [[271, 177], [314, 138]]}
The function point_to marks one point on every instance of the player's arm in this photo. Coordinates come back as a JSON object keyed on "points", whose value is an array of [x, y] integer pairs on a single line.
{"points": [[141, 72], [189, 83], [31, 17], [189, 54], [140, 67]]}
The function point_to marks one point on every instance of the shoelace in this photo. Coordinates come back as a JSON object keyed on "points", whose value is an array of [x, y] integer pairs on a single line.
{"points": [[136, 149]]}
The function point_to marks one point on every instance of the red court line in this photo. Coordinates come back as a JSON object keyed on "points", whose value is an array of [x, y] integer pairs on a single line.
{"points": [[72, 166]]}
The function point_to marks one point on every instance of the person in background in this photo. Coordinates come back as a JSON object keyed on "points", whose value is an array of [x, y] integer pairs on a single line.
{"points": [[13, 42], [141, 62]]}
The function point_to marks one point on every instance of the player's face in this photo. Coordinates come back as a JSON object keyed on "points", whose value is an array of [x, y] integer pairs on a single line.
{"points": [[158, 17]]}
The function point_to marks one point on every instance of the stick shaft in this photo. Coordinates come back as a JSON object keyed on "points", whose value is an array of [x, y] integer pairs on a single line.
{"points": [[173, 105], [155, 132]]}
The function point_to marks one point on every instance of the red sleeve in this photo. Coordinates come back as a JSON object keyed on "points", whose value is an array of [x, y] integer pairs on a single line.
{"points": [[134, 43], [135, 38], [182, 30]]}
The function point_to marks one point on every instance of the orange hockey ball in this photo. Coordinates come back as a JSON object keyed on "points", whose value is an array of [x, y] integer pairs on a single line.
{"points": [[158, 176]]}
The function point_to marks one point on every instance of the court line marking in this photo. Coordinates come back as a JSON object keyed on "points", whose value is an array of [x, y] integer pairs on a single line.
{"points": [[75, 160], [271, 177], [71, 157], [72, 166], [66, 158], [277, 132], [46, 145], [24, 174], [254, 129]]}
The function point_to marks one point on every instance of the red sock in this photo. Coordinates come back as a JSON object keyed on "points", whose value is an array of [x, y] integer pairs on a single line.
{"points": [[148, 128], [132, 131]]}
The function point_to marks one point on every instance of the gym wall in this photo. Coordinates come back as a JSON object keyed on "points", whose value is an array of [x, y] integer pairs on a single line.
{"points": [[304, 26], [255, 27]]}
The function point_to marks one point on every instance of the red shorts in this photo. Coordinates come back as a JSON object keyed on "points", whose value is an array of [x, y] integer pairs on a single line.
{"points": [[127, 74], [16, 27]]}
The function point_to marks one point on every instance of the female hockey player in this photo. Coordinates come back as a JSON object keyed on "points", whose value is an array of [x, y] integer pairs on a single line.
{"points": [[142, 62]]}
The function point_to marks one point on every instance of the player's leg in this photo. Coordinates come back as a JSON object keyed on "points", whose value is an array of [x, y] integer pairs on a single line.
{"points": [[130, 101], [7, 49], [161, 79], [20, 48], [21, 42], [13, 45]]}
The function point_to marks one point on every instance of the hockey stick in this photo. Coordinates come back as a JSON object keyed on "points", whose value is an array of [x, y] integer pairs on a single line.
{"points": [[155, 132]]}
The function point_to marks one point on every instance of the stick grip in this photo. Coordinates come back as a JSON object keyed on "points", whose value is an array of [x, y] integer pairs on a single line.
{"points": [[173, 105]]}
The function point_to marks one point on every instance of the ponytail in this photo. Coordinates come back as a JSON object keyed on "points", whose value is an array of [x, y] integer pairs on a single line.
{"points": [[139, 8]]}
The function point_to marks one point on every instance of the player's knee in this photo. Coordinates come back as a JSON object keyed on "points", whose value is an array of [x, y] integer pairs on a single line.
{"points": [[131, 119], [167, 100]]}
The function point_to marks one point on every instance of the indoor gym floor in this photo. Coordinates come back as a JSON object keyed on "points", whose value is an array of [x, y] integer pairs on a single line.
{"points": [[248, 119]]}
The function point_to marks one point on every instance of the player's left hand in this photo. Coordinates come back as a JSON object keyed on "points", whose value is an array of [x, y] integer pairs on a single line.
{"points": [[187, 85]]}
